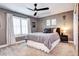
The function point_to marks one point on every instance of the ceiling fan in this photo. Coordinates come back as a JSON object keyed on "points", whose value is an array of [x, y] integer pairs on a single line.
{"points": [[35, 9]]}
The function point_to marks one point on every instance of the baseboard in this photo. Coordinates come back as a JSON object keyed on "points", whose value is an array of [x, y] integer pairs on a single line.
{"points": [[70, 41], [5, 45], [20, 41]]}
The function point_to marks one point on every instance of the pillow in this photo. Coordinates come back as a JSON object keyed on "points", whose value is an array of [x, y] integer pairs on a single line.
{"points": [[54, 30], [47, 30]]}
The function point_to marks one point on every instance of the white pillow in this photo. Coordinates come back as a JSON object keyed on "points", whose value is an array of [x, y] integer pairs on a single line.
{"points": [[54, 30]]}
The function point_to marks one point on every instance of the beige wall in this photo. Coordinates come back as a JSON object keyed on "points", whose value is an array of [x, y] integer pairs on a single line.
{"points": [[2, 28], [60, 22], [33, 29]]}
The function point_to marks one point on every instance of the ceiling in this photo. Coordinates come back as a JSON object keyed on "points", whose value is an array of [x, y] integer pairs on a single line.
{"points": [[54, 8]]}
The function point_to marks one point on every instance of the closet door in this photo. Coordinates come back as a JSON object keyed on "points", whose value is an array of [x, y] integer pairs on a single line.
{"points": [[2, 29]]}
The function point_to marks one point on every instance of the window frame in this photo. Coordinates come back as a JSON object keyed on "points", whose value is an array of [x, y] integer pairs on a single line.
{"points": [[20, 19], [50, 20], [55, 22], [14, 26], [22, 26]]}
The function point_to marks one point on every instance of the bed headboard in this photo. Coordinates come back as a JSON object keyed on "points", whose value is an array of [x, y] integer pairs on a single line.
{"points": [[58, 30]]}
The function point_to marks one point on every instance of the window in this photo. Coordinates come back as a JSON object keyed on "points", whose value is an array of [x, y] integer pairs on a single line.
{"points": [[24, 26], [20, 25], [48, 22], [53, 22], [16, 25]]}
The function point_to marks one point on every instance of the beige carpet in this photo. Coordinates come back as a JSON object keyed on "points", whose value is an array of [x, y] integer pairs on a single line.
{"points": [[62, 49]]}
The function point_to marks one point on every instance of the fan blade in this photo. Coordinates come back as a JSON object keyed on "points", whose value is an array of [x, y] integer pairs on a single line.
{"points": [[43, 9], [30, 9], [35, 13]]}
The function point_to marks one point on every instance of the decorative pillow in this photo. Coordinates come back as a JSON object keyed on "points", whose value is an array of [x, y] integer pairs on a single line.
{"points": [[54, 30], [47, 30]]}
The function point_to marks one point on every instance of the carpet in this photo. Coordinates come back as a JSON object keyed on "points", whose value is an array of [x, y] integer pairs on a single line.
{"points": [[62, 49]]}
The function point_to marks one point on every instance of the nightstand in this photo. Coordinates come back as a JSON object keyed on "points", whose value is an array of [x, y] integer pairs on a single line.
{"points": [[64, 38]]}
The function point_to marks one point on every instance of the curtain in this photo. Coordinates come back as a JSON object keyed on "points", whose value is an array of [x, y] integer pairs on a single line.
{"points": [[29, 25], [9, 30]]}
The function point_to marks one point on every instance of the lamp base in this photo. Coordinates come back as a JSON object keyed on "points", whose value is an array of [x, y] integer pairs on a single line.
{"points": [[61, 34]]}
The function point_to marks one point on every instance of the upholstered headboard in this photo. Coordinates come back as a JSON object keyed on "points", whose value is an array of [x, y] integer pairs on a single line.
{"points": [[58, 30]]}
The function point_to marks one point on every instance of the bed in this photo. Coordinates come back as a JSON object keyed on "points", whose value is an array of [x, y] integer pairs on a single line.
{"points": [[43, 41]]}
